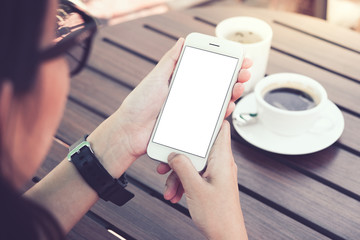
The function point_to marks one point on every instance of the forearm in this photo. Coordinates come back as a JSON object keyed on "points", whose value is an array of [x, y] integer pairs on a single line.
{"points": [[65, 194], [227, 225]]}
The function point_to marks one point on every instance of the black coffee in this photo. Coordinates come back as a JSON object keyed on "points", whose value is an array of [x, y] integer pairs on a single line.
{"points": [[289, 99]]}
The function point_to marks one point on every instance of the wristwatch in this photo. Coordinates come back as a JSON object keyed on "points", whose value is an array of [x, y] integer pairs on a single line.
{"points": [[96, 176]]}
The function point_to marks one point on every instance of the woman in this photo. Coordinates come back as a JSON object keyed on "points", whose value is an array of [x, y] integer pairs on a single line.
{"points": [[34, 82]]}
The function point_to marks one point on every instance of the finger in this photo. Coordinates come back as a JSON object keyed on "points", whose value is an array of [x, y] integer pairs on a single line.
{"points": [[247, 63], [178, 195], [230, 109], [223, 141], [238, 90], [185, 170], [221, 160], [167, 63], [172, 184], [221, 150], [163, 168], [244, 75]]}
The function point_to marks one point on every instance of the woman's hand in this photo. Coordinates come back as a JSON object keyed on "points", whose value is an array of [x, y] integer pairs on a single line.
{"points": [[213, 197], [124, 136]]}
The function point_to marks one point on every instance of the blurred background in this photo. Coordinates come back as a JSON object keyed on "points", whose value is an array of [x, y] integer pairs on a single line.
{"points": [[345, 13]]}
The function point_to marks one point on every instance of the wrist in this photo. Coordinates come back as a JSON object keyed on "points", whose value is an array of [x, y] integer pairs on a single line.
{"points": [[96, 176], [111, 148]]}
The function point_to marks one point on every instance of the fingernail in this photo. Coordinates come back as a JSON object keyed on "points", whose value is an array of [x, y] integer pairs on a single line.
{"points": [[165, 192], [171, 156]]}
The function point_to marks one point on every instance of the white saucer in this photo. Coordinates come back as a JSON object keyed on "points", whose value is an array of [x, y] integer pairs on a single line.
{"points": [[319, 138]]}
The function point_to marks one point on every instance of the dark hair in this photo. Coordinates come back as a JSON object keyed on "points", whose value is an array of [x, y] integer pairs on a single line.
{"points": [[21, 24], [21, 27]]}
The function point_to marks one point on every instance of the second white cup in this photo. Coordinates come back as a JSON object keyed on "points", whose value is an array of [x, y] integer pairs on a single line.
{"points": [[255, 35]]}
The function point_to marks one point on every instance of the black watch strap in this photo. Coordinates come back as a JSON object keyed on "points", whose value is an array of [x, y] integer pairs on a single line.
{"points": [[96, 176]]}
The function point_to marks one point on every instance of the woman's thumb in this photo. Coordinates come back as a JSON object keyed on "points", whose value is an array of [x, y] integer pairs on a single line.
{"points": [[167, 63], [189, 177]]}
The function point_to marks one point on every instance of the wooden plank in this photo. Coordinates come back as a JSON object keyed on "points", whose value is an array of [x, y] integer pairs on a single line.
{"points": [[322, 198], [294, 191], [148, 218], [88, 229], [333, 165], [350, 136], [317, 52], [339, 88], [80, 127], [118, 63], [263, 222], [98, 92], [321, 29], [134, 37], [291, 41]]}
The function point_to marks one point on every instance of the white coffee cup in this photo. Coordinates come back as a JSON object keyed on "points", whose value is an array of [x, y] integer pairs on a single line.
{"points": [[258, 52], [286, 122]]}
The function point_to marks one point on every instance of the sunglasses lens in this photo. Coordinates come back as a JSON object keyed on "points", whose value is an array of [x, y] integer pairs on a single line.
{"points": [[74, 33], [70, 23], [75, 58]]}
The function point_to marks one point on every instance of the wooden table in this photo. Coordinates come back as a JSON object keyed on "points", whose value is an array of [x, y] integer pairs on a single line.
{"points": [[314, 196]]}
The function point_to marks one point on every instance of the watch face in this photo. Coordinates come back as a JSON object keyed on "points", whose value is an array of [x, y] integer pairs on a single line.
{"points": [[76, 147]]}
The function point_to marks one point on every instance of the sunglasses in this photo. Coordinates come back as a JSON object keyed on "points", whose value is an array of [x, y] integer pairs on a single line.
{"points": [[75, 31]]}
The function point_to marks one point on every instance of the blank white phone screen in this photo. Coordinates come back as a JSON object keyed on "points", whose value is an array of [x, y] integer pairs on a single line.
{"points": [[195, 101]]}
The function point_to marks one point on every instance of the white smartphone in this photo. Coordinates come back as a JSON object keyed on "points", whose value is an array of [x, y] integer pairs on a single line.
{"points": [[199, 94]]}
